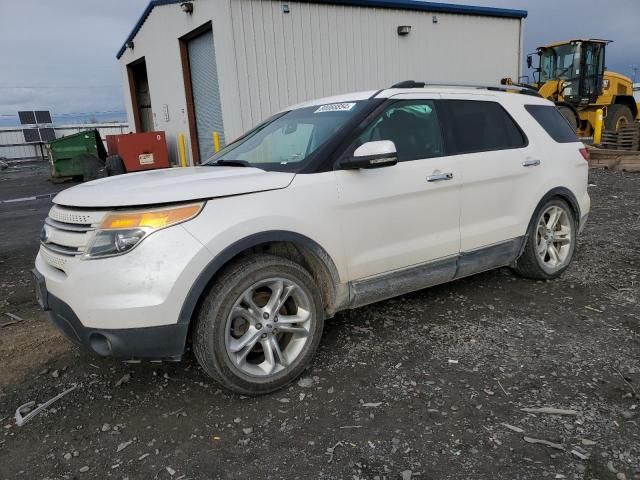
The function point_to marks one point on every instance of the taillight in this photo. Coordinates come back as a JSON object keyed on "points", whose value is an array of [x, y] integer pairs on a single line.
{"points": [[585, 153]]}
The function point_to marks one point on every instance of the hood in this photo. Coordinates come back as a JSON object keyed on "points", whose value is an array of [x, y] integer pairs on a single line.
{"points": [[171, 185]]}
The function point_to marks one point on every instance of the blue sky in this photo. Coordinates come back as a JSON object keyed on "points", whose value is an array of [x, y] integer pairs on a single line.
{"points": [[60, 54]]}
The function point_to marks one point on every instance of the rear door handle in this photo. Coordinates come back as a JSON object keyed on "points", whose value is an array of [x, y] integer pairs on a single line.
{"points": [[531, 163], [437, 177]]}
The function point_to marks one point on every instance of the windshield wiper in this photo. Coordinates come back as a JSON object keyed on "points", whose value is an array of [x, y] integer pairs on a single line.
{"points": [[230, 163]]}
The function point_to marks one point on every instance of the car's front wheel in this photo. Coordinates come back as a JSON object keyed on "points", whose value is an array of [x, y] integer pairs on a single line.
{"points": [[259, 325], [551, 242]]}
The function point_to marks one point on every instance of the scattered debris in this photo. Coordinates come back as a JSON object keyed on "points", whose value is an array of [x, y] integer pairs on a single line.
{"points": [[125, 379], [123, 445], [452, 361], [331, 450], [171, 471], [84, 469], [580, 453], [305, 382], [406, 474], [543, 442], [593, 309], [372, 404], [14, 319], [550, 410], [21, 420], [511, 427]]}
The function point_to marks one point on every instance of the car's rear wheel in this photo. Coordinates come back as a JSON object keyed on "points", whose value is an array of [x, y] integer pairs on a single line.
{"points": [[551, 242], [260, 325]]}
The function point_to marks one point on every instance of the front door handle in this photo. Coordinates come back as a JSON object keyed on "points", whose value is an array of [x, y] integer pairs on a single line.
{"points": [[437, 177], [531, 163]]}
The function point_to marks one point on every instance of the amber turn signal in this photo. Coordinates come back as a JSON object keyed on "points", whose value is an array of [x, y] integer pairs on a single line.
{"points": [[152, 219]]}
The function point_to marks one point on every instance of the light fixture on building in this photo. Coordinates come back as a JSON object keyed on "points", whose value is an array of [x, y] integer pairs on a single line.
{"points": [[187, 7], [434, 19], [130, 44], [404, 29], [285, 8]]}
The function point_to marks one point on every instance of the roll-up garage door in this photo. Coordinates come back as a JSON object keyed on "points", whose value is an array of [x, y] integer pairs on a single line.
{"points": [[206, 94]]}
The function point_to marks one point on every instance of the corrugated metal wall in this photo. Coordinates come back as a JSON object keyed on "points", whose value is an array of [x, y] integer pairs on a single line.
{"points": [[267, 59], [318, 50]]}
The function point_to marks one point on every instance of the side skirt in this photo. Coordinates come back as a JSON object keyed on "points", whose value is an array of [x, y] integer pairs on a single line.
{"points": [[392, 284]]}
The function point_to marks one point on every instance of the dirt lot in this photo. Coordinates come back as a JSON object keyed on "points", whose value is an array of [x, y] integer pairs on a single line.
{"points": [[429, 385]]}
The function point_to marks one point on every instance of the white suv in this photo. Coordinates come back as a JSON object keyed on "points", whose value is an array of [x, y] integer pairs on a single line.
{"points": [[328, 205]]}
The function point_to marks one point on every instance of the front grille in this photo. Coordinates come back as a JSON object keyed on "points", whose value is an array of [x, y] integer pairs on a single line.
{"points": [[66, 234]]}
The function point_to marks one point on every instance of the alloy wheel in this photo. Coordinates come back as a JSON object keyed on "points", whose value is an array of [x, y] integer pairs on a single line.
{"points": [[554, 236], [268, 327]]}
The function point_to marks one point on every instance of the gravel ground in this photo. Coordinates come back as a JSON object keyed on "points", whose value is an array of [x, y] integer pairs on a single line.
{"points": [[430, 385]]}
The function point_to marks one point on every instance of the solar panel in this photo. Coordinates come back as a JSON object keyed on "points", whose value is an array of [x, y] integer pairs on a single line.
{"points": [[31, 135], [47, 134], [27, 118], [43, 116]]}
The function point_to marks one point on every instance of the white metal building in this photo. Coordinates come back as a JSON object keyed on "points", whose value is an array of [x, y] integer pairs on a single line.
{"points": [[203, 66]]}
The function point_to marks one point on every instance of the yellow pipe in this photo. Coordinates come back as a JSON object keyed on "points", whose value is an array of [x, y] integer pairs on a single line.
{"points": [[597, 128], [216, 142], [183, 150]]}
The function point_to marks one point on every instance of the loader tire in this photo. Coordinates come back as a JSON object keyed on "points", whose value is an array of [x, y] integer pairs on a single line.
{"points": [[617, 116]]}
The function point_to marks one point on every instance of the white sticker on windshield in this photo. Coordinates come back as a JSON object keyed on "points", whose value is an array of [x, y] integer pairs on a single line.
{"points": [[335, 107]]}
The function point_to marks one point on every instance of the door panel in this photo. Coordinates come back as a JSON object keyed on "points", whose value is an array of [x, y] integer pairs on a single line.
{"points": [[494, 186], [394, 217]]}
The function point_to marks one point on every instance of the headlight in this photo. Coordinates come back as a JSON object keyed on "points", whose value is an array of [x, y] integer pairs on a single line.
{"points": [[120, 232]]}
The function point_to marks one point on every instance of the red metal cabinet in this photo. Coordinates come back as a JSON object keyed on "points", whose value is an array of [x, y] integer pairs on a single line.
{"points": [[140, 151]]}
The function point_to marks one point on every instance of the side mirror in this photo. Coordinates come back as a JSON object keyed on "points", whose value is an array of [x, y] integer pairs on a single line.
{"points": [[381, 153], [529, 61]]}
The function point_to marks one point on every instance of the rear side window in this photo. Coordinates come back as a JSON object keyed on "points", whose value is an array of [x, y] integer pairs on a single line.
{"points": [[480, 126], [553, 122]]}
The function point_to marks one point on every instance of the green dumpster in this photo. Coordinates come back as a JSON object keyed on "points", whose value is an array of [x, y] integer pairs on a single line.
{"points": [[80, 155]]}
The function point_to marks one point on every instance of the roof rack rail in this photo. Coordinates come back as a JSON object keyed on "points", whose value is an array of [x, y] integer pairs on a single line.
{"points": [[495, 88]]}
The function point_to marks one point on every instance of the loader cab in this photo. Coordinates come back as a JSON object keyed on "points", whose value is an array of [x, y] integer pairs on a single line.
{"points": [[579, 64]]}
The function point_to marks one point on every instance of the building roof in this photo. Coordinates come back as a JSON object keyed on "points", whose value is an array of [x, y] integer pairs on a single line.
{"points": [[418, 5]]}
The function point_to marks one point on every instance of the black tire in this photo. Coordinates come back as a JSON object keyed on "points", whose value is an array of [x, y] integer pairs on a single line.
{"points": [[210, 333], [530, 264], [617, 116], [115, 165], [569, 115], [92, 167]]}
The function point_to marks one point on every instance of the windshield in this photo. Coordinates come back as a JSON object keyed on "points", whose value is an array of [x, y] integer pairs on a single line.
{"points": [[560, 63], [287, 142]]}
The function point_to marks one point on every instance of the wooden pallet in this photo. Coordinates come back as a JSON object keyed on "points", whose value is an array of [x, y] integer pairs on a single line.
{"points": [[627, 138], [614, 159]]}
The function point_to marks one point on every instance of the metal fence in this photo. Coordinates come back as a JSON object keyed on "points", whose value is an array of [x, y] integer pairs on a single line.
{"points": [[14, 148]]}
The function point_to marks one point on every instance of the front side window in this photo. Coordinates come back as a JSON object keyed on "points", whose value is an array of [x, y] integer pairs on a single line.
{"points": [[286, 142], [412, 125], [480, 126]]}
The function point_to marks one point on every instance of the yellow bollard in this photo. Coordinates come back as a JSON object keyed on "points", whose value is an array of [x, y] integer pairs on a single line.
{"points": [[216, 142], [183, 151], [597, 128]]}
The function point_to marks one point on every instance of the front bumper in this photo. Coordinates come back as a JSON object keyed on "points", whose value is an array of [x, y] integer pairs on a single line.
{"points": [[163, 342]]}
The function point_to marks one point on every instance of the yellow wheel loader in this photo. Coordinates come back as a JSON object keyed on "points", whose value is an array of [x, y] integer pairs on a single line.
{"points": [[572, 74]]}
